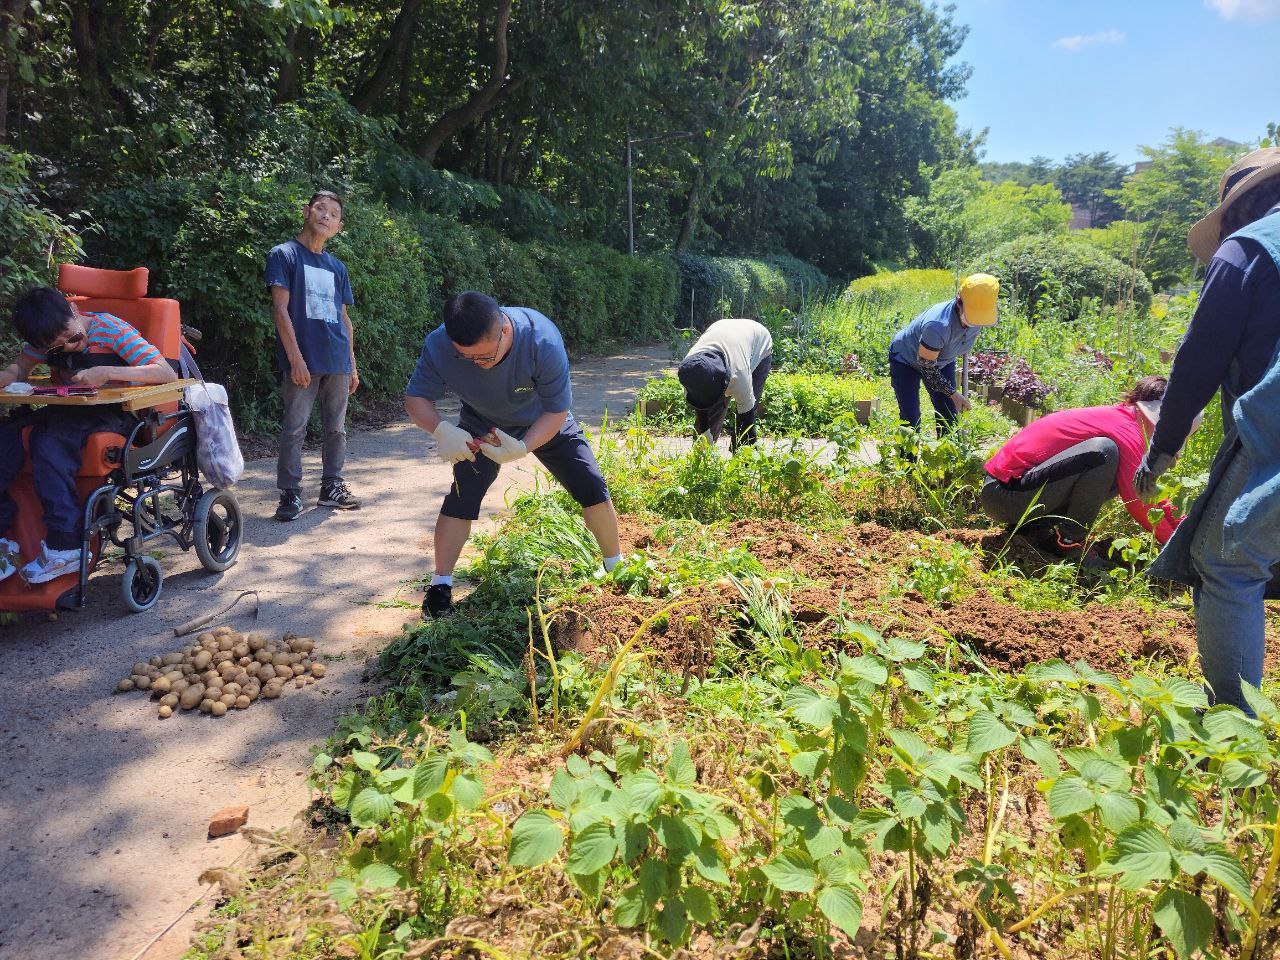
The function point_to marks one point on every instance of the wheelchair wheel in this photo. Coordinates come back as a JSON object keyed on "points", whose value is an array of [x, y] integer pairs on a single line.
{"points": [[217, 530], [141, 584]]}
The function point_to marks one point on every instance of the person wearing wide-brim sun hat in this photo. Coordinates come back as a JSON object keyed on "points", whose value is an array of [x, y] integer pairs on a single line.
{"points": [[1228, 547], [925, 350]]}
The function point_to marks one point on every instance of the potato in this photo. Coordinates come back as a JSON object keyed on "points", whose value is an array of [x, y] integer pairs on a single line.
{"points": [[139, 667], [206, 637], [232, 688], [142, 682], [256, 641], [242, 701], [169, 700], [206, 706], [245, 661], [166, 712], [172, 675], [202, 660], [284, 672], [226, 643], [308, 646], [156, 661], [241, 649], [188, 670], [124, 686], [223, 656], [227, 699], [222, 631], [179, 685], [271, 691], [317, 670], [263, 656], [252, 693], [154, 672], [191, 697], [279, 658], [218, 709], [161, 685], [170, 659], [308, 680], [226, 668]]}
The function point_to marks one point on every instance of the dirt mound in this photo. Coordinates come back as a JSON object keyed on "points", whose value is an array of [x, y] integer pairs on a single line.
{"points": [[681, 640], [854, 569]]}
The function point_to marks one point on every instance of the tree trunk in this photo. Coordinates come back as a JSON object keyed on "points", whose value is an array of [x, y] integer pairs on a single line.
{"points": [[390, 57], [12, 13], [692, 208], [480, 102], [84, 41], [287, 81]]}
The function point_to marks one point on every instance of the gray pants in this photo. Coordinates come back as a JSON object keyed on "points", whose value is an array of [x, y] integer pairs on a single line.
{"points": [[1067, 490], [332, 390]]}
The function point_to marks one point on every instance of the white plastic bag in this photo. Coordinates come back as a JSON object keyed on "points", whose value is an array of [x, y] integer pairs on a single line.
{"points": [[217, 450]]}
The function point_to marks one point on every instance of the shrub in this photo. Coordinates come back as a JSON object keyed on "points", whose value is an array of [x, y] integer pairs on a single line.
{"points": [[712, 288], [206, 242], [932, 286], [801, 403], [33, 239], [1064, 269]]}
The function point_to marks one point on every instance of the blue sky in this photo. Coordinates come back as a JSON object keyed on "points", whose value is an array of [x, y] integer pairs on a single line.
{"points": [[1054, 77]]}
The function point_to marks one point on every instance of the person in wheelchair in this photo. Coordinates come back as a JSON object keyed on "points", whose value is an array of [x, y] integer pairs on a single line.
{"points": [[90, 349]]}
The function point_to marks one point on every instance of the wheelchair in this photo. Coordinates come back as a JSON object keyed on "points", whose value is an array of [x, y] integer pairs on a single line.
{"points": [[136, 488]]}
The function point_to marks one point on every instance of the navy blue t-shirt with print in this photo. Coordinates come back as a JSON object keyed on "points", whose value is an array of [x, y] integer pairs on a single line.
{"points": [[318, 288]]}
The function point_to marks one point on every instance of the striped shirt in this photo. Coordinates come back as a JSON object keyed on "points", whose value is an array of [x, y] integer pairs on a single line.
{"points": [[107, 334]]}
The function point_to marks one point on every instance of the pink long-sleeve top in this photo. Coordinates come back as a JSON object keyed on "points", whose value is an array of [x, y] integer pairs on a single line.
{"points": [[1049, 436]]}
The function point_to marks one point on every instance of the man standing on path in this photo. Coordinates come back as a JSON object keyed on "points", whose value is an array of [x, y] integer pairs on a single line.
{"points": [[926, 350], [509, 367], [731, 360], [315, 352]]}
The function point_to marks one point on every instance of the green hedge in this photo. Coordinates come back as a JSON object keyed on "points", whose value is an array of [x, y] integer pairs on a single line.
{"points": [[1063, 270], [712, 288], [206, 242]]}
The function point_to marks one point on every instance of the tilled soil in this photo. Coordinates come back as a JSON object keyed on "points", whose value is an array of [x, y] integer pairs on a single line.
{"points": [[831, 577]]}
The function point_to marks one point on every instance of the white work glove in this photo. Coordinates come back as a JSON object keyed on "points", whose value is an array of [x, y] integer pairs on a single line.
{"points": [[508, 448], [1153, 464], [453, 443]]}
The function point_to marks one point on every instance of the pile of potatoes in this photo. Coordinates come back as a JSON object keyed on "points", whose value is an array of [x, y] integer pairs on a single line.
{"points": [[225, 670]]}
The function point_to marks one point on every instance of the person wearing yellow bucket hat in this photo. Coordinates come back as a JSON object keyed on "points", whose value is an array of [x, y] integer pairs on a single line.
{"points": [[926, 349], [1228, 547]]}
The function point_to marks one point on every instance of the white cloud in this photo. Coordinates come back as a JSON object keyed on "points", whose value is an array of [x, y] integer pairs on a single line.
{"points": [[1076, 43], [1255, 11]]}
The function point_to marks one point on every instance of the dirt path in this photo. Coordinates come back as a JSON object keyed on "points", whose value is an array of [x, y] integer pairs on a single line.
{"points": [[104, 807]]}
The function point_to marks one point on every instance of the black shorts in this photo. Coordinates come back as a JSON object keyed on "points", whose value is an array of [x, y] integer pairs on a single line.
{"points": [[567, 456]]}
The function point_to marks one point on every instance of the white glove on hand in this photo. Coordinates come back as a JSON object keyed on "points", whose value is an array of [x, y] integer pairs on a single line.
{"points": [[508, 449], [1153, 464], [452, 443]]}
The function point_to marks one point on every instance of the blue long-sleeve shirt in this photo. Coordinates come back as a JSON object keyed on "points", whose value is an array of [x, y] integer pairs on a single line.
{"points": [[1237, 319]]}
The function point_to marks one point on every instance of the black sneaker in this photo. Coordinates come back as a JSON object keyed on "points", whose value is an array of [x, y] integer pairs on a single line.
{"points": [[438, 602], [334, 493], [290, 505]]}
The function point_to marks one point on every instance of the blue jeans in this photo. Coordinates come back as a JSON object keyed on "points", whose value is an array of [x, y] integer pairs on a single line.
{"points": [[58, 436], [1230, 617], [906, 382], [332, 390]]}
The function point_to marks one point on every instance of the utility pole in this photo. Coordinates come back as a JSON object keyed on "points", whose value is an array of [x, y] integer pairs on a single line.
{"points": [[631, 211]]}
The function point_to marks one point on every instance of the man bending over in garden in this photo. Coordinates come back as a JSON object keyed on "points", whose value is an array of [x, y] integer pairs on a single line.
{"points": [[925, 350], [315, 352], [731, 360], [509, 367]]}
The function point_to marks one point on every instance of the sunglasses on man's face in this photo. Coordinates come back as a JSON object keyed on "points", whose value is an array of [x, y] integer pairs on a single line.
{"points": [[72, 342]]}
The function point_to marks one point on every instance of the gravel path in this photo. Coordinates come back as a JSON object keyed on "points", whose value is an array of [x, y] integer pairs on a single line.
{"points": [[104, 807]]}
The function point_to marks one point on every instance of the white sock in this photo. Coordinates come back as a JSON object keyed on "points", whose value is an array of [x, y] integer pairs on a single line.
{"points": [[611, 562], [445, 578]]}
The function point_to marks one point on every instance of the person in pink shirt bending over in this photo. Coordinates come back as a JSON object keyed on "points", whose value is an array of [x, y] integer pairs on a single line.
{"points": [[1051, 479]]}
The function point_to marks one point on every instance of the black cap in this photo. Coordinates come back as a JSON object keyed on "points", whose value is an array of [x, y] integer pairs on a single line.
{"points": [[705, 377]]}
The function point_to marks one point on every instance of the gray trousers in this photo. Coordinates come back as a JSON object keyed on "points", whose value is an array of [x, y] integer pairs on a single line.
{"points": [[332, 390], [1067, 490]]}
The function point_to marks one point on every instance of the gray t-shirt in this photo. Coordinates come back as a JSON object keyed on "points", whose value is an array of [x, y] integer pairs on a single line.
{"points": [[532, 379]]}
